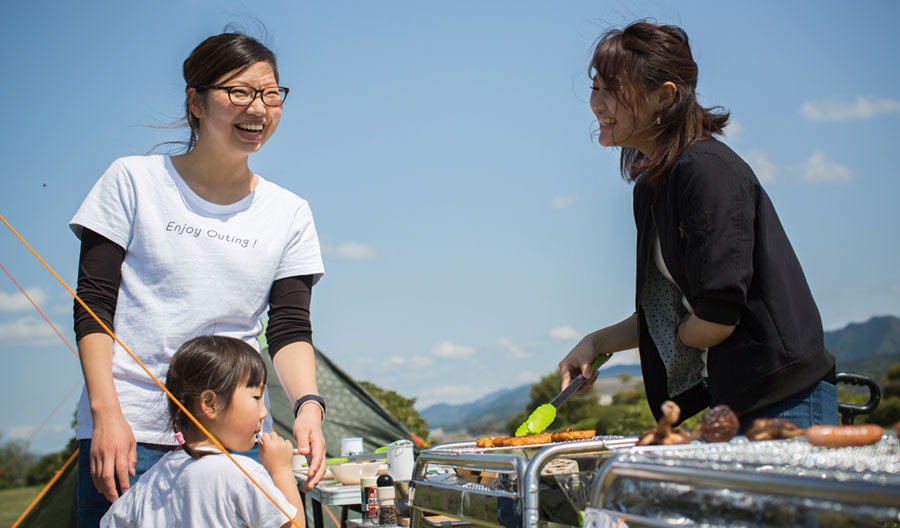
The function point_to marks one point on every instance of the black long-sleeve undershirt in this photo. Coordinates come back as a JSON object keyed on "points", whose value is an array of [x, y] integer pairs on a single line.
{"points": [[100, 273]]}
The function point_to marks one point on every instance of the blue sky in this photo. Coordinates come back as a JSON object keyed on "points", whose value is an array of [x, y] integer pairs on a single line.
{"points": [[472, 230]]}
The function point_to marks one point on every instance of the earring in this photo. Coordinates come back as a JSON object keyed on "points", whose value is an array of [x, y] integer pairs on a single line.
{"points": [[657, 120]]}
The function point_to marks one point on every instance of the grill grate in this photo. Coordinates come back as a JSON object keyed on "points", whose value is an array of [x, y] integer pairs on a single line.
{"points": [[451, 449], [875, 464]]}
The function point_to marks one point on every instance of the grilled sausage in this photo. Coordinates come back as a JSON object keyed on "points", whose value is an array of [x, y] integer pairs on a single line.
{"points": [[844, 435]]}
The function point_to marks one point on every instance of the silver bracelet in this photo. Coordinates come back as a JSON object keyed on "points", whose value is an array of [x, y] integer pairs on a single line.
{"points": [[321, 408]]}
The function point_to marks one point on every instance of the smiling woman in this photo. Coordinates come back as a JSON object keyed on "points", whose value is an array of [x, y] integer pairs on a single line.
{"points": [[723, 314], [145, 266]]}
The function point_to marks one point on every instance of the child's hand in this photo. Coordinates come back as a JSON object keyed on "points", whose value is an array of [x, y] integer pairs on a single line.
{"points": [[275, 453]]}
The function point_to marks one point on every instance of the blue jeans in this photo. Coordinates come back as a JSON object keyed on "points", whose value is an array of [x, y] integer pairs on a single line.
{"points": [[92, 505], [817, 405]]}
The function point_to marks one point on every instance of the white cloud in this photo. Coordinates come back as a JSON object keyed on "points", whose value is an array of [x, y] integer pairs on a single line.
{"points": [[348, 251], [891, 287], [625, 357], [734, 131], [414, 362], [527, 376], [16, 302], [29, 332], [759, 162], [446, 349], [834, 109], [513, 350], [24, 432], [819, 169], [560, 202], [564, 333], [451, 390]]}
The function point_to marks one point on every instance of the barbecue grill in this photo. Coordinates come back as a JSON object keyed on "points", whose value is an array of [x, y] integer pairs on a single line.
{"points": [[741, 483], [503, 487]]}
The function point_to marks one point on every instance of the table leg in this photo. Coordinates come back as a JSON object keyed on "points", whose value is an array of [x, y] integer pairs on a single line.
{"points": [[318, 521], [344, 517]]}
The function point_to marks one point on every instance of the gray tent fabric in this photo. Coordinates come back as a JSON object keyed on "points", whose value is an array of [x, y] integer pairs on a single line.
{"points": [[57, 507], [352, 411]]}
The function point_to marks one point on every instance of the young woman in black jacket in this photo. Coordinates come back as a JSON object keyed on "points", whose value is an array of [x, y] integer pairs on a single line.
{"points": [[723, 313]]}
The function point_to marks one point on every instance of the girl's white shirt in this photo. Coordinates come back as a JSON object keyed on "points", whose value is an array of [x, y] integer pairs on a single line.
{"points": [[179, 491]]}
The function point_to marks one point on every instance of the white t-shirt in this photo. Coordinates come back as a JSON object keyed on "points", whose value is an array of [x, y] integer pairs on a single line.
{"points": [[210, 491], [191, 268]]}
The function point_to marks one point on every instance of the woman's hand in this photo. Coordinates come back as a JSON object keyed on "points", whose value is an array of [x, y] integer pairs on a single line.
{"points": [[275, 454], [113, 448], [113, 455], [620, 336], [311, 442], [578, 361]]}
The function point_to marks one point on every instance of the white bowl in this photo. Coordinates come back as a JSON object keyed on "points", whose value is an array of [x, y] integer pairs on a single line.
{"points": [[349, 473]]}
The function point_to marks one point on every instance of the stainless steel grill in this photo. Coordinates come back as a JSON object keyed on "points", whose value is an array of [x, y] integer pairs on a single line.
{"points": [[502, 487], [740, 483]]}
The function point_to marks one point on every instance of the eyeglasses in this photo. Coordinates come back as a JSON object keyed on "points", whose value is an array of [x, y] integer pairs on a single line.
{"points": [[245, 95]]}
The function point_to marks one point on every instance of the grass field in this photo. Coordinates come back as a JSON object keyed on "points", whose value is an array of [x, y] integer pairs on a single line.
{"points": [[14, 501]]}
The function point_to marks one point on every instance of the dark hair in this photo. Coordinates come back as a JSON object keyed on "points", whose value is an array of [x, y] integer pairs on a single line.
{"points": [[217, 363], [638, 59], [215, 57]]}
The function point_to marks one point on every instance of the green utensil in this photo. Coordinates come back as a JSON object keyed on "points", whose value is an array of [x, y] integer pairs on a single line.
{"points": [[544, 415], [379, 454]]}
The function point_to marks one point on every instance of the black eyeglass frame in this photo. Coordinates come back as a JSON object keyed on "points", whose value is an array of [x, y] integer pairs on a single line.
{"points": [[256, 93]]}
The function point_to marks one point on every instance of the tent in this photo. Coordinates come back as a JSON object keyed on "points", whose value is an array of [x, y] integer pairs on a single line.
{"points": [[352, 411]]}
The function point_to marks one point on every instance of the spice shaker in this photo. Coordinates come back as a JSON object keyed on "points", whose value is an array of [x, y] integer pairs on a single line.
{"points": [[369, 501], [387, 513]]}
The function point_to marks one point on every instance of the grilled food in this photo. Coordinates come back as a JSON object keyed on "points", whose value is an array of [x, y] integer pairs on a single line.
{"points": [[719, 424], [664, 433], [568, 436], [514, 441], [843, 435], [772, 429]]}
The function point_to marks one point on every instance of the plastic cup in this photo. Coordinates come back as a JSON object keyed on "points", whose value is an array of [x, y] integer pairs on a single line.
{"points": [[351, 446]]}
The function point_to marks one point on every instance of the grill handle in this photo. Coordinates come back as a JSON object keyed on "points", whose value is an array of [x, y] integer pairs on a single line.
{"points": [[848, 411]]}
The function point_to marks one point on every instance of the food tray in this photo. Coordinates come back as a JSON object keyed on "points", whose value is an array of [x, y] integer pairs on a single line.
{"points": [[741, 483]]}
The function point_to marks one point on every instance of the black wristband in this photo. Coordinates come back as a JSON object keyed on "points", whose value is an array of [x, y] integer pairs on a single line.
{"points": [[309, 397]]}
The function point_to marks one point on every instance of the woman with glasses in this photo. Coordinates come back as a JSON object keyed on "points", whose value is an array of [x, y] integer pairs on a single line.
{"points": [[723, 313], [173, 247]]}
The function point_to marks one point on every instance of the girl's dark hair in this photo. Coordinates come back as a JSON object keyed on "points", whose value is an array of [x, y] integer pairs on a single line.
{"points": [[215, 57], [638, 59], [217, 363]]}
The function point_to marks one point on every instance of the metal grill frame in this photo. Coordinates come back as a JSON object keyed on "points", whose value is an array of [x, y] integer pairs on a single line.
{"points": [[656, 468], [525, 499]]}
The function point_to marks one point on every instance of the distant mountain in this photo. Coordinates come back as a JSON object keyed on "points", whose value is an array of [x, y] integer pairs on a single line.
{"points": [[497, 407], [866, 348]]}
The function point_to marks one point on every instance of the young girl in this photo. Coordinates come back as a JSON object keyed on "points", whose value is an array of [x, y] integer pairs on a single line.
{"points": [[723, 313], [221, 381]]}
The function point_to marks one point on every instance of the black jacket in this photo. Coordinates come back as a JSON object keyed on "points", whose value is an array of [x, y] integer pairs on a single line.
{"points": [[728, 253]]}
